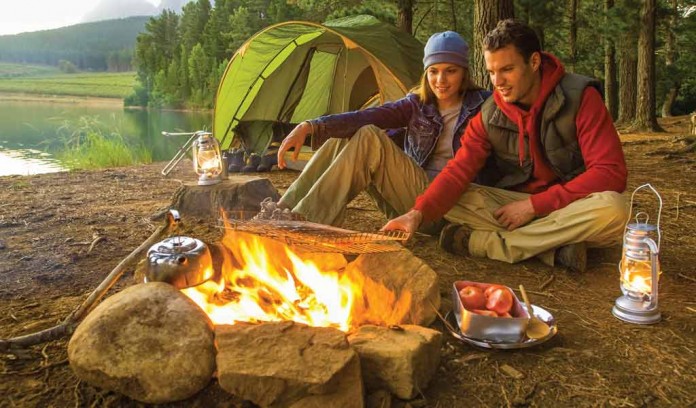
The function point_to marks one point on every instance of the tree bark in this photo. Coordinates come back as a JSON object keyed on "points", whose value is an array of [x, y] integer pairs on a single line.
{"points": [[670, 48], [573, 34], [405, 15], [487, 13], [645, 120], [610, 88]]}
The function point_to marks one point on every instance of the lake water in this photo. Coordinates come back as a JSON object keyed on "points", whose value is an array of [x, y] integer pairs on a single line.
{"points": [[30, 132]]}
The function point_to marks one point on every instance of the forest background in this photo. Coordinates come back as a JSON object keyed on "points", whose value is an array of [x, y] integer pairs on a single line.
{"points": [[642, 50]]}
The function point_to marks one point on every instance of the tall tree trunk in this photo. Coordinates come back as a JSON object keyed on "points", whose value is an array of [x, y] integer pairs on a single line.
{"points": [[628, 80], [405, 15], [610, 88], [645, 120], [670, 47], [573, 34], [487, 13]]}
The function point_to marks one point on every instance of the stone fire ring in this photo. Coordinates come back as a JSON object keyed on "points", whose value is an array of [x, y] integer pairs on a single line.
{"points": [[153, 344]]}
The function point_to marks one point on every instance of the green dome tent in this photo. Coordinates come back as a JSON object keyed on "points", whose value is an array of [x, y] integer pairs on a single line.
{"points": [[299, 70]]}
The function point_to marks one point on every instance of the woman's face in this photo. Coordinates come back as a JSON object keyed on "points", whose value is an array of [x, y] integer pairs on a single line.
{"points": [[445, 80]]}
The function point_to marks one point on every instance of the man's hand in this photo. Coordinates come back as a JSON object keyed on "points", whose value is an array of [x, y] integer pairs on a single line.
{"points": [[294, 139], [408, 222], [515, 214]]}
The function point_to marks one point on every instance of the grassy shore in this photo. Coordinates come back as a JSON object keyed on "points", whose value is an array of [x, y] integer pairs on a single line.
{"points": [[33, 79]]}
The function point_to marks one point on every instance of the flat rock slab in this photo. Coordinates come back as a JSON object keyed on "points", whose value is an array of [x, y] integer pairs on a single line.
{"points": [[402, 361], [236, 193], [149, 342], [288, 364], [412, 293]]}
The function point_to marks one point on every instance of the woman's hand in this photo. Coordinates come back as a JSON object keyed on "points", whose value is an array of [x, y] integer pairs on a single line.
{"points": [[294, 139], [408, 222]]}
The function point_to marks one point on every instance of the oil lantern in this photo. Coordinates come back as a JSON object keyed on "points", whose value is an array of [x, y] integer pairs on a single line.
{"points": [[207, 159], [640, 267]]}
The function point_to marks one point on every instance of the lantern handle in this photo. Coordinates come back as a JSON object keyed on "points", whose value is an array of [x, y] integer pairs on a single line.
{"points": [[659, 212]]}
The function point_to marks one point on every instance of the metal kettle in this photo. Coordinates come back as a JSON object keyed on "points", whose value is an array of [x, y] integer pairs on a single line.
{"points": [[180, 261]]}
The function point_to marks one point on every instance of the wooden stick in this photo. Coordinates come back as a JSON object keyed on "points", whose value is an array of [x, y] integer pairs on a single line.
{"points": [[69, 324], [681, 275], [446, 323]]}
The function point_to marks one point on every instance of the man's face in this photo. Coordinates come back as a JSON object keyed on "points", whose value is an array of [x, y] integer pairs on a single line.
{"points": [[515, 80]]}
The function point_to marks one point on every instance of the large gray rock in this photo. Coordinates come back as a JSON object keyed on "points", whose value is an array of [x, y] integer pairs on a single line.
{"points": [[149, 342], [402, 361], [288, 364], [412, 294]]}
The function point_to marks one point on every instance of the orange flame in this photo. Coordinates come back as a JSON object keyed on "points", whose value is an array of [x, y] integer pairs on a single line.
{"points": [[636, 276], [275, 284]]}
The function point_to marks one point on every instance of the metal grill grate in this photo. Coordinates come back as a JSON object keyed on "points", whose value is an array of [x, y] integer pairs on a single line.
{"points": [[312, 237]]}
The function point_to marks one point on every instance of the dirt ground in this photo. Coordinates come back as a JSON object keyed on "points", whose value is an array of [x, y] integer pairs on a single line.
{"points": [[49, 223]]}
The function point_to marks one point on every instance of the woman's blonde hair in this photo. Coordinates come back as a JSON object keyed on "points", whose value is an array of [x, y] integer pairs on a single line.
{"points": [[426, 95]]}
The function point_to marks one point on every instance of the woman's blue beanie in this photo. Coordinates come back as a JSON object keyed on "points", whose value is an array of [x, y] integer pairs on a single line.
{"points": [[447, 47]]}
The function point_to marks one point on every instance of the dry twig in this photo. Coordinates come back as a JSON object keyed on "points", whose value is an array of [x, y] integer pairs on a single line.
{"points": [[547, 282], [95, 242], [681, 275], [69, 324]]}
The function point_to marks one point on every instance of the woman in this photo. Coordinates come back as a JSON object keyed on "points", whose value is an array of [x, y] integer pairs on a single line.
{"points": [[358, 155]]}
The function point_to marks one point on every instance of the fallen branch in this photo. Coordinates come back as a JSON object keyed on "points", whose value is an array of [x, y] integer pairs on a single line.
{"points": [[69, 324]]}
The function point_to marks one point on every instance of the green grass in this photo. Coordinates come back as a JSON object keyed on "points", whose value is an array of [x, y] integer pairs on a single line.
{"points": [[44, 80], [87, 146]]}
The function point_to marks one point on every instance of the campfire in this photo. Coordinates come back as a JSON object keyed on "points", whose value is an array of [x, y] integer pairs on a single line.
{"points": [[263, 280], [274, 318]]}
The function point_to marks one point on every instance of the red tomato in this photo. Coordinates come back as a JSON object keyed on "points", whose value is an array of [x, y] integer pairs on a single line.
{"points": [[486, 313], [499, 301], [472, 297]]}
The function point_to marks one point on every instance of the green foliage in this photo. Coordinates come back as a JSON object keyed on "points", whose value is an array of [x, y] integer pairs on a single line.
{"points": [[67, 67], [98, 46], [86, 145]]}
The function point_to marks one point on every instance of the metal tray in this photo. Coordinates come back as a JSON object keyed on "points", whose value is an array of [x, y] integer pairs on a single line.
{"points": [[525, 342]]}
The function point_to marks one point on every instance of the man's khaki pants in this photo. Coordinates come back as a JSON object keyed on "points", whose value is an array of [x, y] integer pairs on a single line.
{"points": [[597, 219], [370, 161], [342, 168]]}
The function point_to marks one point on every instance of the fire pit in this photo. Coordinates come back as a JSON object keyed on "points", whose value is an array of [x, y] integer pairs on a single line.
{"points": [[268, 298]]}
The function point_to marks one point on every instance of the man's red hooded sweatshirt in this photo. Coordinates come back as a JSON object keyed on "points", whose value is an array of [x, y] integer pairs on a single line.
{"points": [[598, 139]]}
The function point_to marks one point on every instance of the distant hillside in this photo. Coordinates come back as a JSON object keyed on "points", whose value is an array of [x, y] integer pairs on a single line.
{"points": [[99, 46], [113, 9]]}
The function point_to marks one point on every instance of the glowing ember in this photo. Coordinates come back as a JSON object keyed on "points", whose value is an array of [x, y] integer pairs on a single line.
{"points": [[274, 284]]}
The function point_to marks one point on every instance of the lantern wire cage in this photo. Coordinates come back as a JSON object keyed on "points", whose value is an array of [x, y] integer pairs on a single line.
{"points": [[295, 231]]}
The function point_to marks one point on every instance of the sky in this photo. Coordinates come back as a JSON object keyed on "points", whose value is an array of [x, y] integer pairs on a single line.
{"points": [[18, 16]]}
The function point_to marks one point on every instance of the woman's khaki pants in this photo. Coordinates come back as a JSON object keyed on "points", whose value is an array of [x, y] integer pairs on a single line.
{"points": [[370, 161], [342, 168]]}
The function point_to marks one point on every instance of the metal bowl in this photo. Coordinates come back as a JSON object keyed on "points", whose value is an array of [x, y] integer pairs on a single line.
{"points": [[487, 328]]}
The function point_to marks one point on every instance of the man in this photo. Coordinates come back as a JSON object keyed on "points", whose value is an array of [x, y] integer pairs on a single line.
{"points": [[550, 157]]}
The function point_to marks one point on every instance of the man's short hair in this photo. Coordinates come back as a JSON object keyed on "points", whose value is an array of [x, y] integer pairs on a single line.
{"points": [[514, 32]]}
